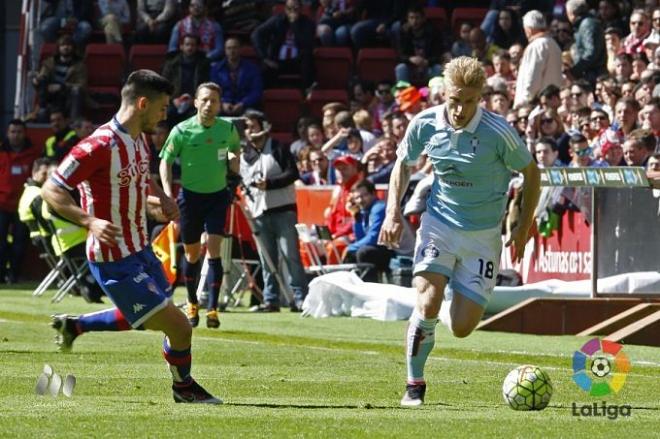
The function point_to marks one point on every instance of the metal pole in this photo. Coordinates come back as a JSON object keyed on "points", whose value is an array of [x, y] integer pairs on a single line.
{"points": [[594, 242]]}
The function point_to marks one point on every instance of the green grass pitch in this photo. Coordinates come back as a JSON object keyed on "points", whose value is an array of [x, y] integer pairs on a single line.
{"points": [[281, 375]]}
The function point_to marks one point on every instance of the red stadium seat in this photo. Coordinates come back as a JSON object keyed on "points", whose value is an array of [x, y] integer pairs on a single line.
{"points": [[437, 17], [147, 56], [284, 138], [47, 49], [334, 66], [38, 135], [106, 64], [282, 106], [376, 64], [248, 52], [471, 15], [318, 98]]}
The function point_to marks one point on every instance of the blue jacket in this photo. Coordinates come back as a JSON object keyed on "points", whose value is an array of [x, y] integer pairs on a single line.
{"points": [[367, 224], [248, 88]]}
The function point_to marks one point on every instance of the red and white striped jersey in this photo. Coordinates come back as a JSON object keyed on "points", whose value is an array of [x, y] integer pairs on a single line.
{"points": [[111, 171]]}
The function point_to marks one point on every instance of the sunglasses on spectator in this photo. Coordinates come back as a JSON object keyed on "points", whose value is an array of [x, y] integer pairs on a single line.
{"points": [[576, 95], [320, 160], [292, 8], [522, 119], [547, 120], [582, 152]]}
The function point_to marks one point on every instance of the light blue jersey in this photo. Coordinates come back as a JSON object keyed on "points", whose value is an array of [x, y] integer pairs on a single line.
{"points": [[472, 165]]}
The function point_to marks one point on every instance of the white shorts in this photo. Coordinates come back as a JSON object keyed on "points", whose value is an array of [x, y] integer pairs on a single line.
{"points": [[469, 259]]}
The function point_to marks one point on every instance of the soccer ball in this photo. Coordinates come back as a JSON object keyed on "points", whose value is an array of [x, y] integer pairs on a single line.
{"points": [[527, 388], [600, 367]]}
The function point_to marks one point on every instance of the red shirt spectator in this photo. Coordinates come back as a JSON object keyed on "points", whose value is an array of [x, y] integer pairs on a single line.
{"points": [[16, 157]]}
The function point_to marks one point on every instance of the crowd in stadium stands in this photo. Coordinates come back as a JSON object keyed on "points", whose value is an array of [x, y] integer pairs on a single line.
{"points": [[579, 81]]}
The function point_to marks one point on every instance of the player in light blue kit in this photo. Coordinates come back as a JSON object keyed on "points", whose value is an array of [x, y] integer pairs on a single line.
{"points": [[473, 152]]}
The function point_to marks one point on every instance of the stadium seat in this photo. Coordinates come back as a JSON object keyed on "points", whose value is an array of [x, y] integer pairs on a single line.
{"points": [[106, 64], [38, 134], [248, 53], [438, 18], [47, 49], [283, 108], [334, 66], [284, 137], [376, 64], [318, 98], [471, 15], [147, 56]]}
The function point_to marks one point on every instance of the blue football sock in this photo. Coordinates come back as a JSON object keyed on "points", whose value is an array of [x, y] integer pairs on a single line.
{"points": [[420, 340], [214, 280], [191, 279], [106, 320], [179, 362]]}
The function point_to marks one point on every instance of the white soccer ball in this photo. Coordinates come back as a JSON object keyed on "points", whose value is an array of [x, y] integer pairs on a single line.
{"points": [[527, 388], [600, 367]]}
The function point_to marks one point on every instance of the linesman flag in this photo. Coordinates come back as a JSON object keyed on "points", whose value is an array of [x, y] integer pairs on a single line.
{"points": [[164, 246]]}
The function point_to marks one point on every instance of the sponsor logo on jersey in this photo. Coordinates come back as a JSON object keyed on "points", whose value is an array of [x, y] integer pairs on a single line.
{"points": [[137, 307], [430, 251], [140, 277], [132, 170]]}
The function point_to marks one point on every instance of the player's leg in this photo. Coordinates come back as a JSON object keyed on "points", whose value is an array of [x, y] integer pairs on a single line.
{"points": [[214, 221], [420, 335]]}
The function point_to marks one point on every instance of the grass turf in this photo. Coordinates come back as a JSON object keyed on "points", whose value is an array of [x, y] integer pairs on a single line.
{"points": [[285, 376]]}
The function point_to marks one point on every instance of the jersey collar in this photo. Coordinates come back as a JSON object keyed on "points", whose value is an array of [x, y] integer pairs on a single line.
{"points": [[471, 127]]}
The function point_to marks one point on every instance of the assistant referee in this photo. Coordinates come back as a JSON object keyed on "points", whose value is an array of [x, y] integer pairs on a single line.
{"points": [[206, 145]]}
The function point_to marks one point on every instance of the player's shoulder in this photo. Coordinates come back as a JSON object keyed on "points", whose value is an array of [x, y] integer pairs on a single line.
{"points": [[429, 115], [102, 138], [494, 123]]}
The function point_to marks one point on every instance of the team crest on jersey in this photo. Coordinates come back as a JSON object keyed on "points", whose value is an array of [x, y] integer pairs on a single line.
{"points": [[430, 251], [474, 142], [132, 170]]}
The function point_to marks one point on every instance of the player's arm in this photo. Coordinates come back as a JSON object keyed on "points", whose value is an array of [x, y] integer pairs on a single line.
{"points": [[165, 171], [390, 233], [531, 190], [61, 201], [160, 198], [168, 154]]}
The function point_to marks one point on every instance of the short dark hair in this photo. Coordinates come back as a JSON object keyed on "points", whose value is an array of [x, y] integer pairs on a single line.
{"points": [[257, 115], [645, 137], [550, 142], [42, 161], [366, 185], [577, 138], [211, 86], [549, 91], [17, 122], [145, 83]]}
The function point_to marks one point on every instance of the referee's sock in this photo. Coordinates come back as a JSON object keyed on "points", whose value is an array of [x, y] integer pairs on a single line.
{"points": [[214, 280], [106, 320], [190, 278]]}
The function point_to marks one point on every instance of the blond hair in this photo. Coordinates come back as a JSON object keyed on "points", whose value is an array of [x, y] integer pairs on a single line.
{"points": [[465, 72], [363, 120]]}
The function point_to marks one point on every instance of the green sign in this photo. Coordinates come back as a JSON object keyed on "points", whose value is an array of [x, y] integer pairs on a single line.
{"points": [[615, 176]]}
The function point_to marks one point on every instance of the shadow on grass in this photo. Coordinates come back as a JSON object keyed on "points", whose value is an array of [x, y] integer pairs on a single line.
{"points": [[366, 406]]}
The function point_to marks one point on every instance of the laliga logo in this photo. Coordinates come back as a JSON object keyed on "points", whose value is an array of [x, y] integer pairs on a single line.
{"points": [[600, 367]]}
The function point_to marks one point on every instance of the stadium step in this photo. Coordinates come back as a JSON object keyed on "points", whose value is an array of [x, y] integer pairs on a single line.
{"points": [[621, 320]]}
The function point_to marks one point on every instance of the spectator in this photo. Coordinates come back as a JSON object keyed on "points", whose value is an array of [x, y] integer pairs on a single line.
{"points": [[208, 31], [384, 103], [640, 28], [301, 134], [541, 62], [375, 23], [499, 102], [639, 147], [507, 30], [613, 47], [649, 116], [186, 70], [16, 157], [339, 142], [63, 138], [66, 16], [399, 125], [322, 173], [338, 219], [654, 163], [368, 216], [329, 111], [546, 153], [315, 136], [626, 114], [410, 101], [380, 160], [503, 75], [461, 46], [562, 32], [639, 63], [114, 15], [589, 52], [622, 67], [270, 170], [363, 121], [285, 43], [610, 14], [334, 28], [156, 142], [612, 153], [600, 121], [61, 81], [481, 48], [83, 127], [155, 19], [363, 94], [239, 79], [419, 49]]}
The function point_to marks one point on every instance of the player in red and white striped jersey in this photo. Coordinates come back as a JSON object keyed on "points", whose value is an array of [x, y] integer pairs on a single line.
{"points": [[111, 169]]}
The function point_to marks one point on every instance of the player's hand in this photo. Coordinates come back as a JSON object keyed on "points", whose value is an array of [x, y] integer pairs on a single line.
{"points": [[518, 238], [170, 208], [105, 231], [390, 233]]}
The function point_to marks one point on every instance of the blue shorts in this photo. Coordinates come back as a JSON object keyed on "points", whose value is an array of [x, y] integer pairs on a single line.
{"points": [[136, 285], [200, 212]]}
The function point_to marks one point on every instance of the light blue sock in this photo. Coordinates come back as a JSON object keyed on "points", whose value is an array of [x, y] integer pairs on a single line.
{"points": [[420, 341]]}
